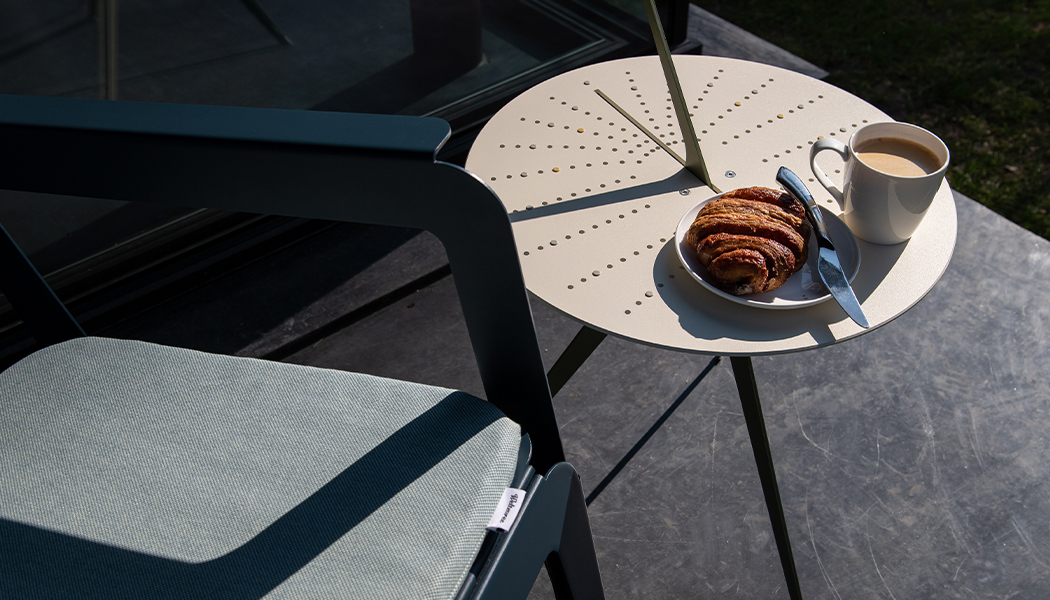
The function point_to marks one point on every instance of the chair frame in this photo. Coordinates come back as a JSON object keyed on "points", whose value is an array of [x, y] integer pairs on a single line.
{"points": [[332, 166]]}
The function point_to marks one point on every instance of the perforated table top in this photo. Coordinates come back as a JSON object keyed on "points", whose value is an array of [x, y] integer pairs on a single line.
{"points": [[594, 203]]}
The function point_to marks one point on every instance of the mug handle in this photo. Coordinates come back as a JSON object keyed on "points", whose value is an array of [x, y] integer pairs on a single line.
{"points": [[827, 144]]}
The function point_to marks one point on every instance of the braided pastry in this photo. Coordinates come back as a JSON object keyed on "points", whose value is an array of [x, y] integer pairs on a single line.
{"points": [[751, 239]]}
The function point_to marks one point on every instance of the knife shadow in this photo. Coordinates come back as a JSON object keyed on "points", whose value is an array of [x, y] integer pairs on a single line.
{"points": [[876, 263]]}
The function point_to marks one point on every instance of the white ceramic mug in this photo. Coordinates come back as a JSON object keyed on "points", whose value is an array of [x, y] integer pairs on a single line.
{"points": [[882, 204]]}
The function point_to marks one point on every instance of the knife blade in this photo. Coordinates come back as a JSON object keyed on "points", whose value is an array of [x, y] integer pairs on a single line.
{"points": [[828, 264]]}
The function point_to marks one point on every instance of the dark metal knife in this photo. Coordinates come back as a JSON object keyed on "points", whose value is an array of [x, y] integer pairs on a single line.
{"points": [[828, 260]]}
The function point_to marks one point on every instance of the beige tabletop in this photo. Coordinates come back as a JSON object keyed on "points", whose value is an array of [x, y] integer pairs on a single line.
{"points": [[595, 203]]}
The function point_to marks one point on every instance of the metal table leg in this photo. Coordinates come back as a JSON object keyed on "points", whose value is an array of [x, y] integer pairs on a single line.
{"points": [[578, 350], [587, 340], [744, 373]]}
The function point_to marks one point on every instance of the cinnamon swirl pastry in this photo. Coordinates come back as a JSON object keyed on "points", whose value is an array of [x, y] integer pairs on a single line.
{"points": [[751, 239]]}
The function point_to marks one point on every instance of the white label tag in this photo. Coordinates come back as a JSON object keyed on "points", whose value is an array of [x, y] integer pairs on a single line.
{"points": [[507, 510]]}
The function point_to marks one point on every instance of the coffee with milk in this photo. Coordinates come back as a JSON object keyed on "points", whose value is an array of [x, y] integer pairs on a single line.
{"points": [[898, 157]]}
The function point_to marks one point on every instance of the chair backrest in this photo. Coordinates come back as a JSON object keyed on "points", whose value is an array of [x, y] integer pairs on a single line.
{"points": [[376, 169]]}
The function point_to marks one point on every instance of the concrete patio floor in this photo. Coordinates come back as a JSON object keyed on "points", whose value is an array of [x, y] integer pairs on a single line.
{"points": [[913, 461]]}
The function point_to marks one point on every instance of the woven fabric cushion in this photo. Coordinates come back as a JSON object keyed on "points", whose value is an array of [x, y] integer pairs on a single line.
{"points": [[129, 469]]}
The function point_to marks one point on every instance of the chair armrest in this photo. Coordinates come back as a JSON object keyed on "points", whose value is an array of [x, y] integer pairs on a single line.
{"points": [[387, 133], [377, 169]]}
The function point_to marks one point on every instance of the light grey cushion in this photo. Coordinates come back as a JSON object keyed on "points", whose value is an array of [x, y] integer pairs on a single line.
{"points": [[185, 474]]}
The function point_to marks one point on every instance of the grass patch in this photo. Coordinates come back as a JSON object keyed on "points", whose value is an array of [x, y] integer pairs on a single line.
{"points": [[975, 73]]}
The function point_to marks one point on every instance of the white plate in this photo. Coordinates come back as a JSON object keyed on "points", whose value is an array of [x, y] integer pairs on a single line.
{"points": [[803, 288]]}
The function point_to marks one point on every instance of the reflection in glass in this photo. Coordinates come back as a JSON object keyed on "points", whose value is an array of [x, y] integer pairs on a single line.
{"points": [[460, 60]]}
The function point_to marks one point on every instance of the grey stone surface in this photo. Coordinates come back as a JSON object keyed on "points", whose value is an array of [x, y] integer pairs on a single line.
{"points": [[421, 338], [281, 297], [420, 254]]}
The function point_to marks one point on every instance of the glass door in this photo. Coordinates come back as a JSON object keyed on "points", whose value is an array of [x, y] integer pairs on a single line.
{"points": [[460, 60]]}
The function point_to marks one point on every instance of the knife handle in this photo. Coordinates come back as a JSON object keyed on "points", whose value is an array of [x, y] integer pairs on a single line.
{"points": [[787, 178]]}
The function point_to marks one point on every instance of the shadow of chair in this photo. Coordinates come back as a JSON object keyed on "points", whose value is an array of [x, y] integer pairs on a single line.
{"points": [[130, 469]]}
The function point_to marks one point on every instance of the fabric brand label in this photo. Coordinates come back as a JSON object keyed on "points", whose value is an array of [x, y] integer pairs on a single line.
{"points": [[506, 510]]}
